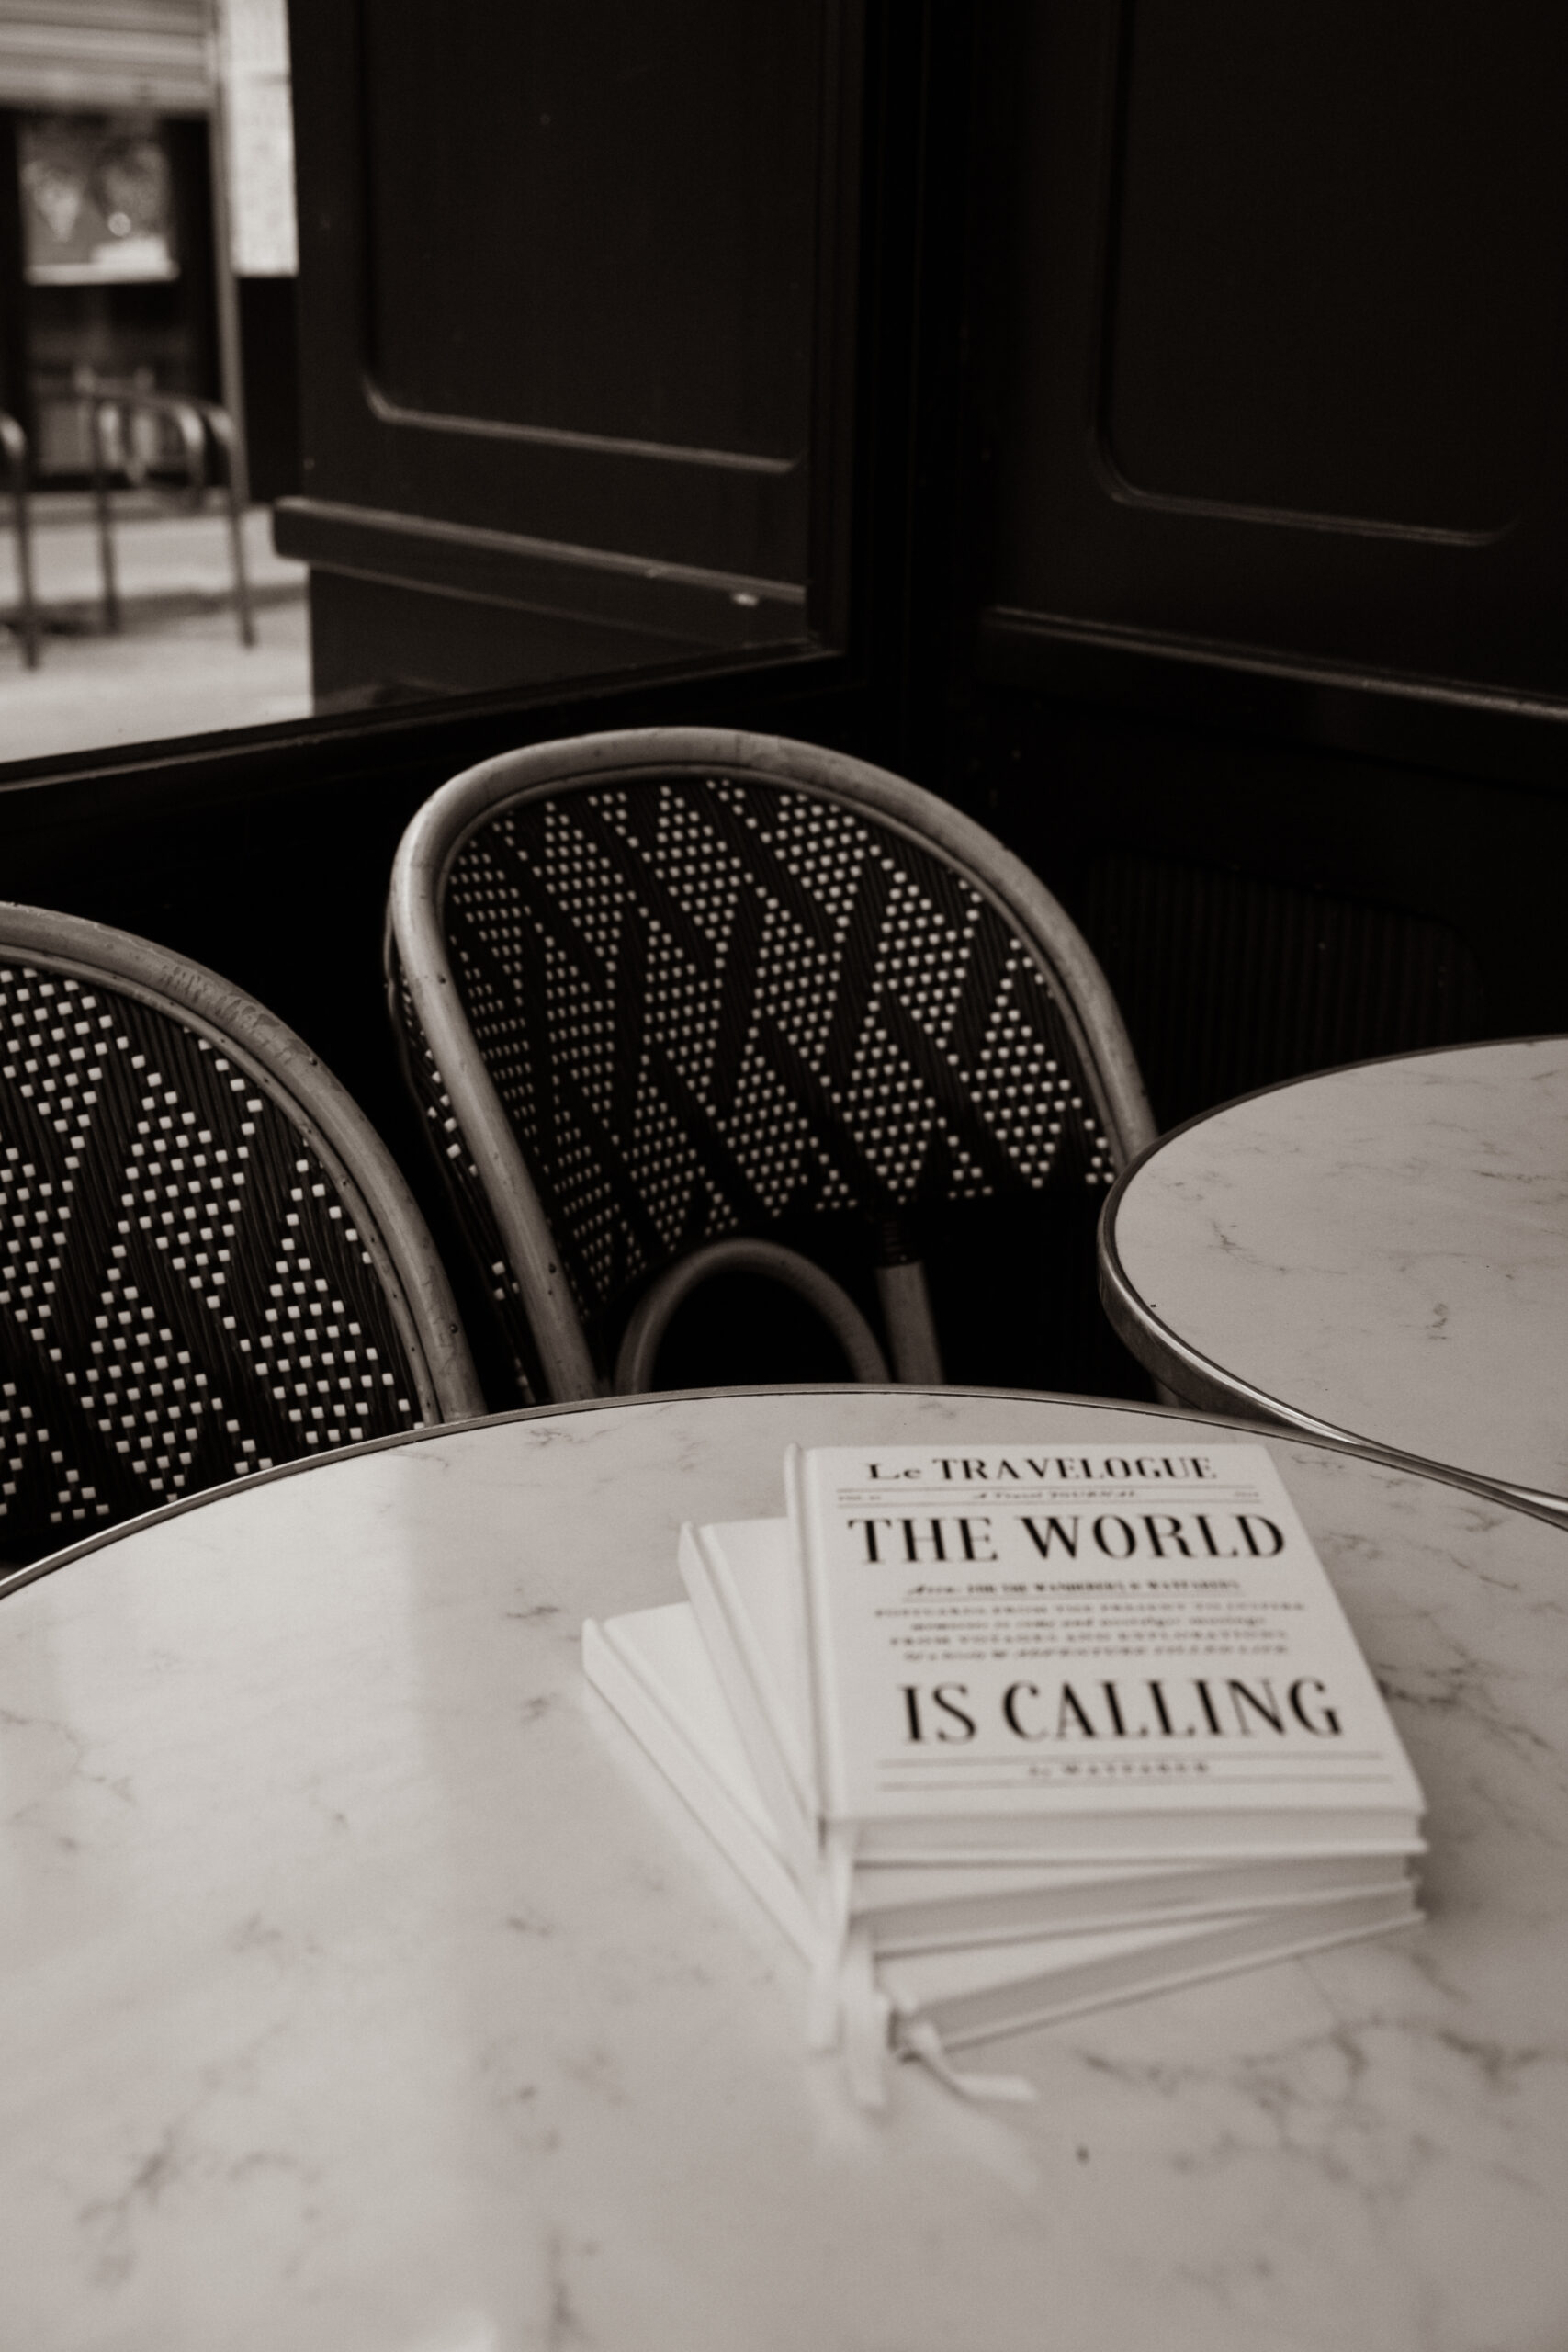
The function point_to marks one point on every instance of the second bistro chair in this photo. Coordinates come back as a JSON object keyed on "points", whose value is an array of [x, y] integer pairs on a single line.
{"points": [[209, 1263], [664, 992]]}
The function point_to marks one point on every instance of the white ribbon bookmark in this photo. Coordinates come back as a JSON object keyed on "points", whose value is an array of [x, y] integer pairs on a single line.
{"points": [[848, 2008], [922, 2041], [865, 2015]]}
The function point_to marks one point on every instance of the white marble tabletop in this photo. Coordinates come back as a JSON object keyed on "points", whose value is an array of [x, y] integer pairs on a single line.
{"points": [[1379, 1252], [364, 1991]]}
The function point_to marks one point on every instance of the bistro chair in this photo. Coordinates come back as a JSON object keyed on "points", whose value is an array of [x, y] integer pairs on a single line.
{"points": [[678, 1000], [210, 1264], [181, 431]]}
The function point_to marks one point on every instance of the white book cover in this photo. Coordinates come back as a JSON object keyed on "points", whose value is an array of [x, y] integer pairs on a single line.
{"points": [[746, 1594], [1067, 1650], [653, 1667], [740, 1580], [982, 1993]]}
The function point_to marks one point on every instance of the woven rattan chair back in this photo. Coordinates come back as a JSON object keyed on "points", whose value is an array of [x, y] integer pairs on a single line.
{"points": [[209, 1263], [661, 986]]}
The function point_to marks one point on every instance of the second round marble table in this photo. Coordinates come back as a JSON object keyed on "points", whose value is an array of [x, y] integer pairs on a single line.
{"points": [[362, 1989], [1378, 1253]]}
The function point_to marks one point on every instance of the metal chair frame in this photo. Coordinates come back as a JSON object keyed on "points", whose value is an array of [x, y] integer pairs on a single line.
{"points": [[192, 421], [13, 444], [417, 947], [283, 1067]]}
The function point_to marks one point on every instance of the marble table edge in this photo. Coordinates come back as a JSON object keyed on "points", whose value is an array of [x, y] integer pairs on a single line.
{"points": [[1210, 1390], [1264, 1420]]}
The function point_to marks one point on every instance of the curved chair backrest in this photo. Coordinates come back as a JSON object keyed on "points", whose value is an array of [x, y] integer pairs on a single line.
{"points": [[209, 1263], [661, 986]]}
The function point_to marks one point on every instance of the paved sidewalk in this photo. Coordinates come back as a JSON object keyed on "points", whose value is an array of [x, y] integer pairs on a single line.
{"points": [[177, 667]]}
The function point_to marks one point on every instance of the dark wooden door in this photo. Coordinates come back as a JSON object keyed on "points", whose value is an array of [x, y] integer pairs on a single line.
{"points": [[569, 279], [1277, 316]]}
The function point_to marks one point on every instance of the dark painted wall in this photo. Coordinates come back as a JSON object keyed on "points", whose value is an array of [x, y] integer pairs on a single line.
{"points": [[1257, 644]]}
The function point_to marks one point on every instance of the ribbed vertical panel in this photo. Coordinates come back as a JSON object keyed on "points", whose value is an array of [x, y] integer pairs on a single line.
{"points": [[1228, 982]]}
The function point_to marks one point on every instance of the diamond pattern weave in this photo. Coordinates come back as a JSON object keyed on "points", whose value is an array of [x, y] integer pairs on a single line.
{"points": [[710, 1004], [184, 1296]]}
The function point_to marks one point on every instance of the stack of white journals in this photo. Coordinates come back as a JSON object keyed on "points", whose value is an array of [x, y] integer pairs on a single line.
{"points": [[1005, 1733]]}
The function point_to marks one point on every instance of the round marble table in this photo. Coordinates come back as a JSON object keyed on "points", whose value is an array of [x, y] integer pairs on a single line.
{"points": [[363, 1989], [1378, 1254]]}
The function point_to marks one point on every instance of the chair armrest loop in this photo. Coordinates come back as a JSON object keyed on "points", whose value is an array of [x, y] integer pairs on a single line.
{"points": [[650, 1317]]}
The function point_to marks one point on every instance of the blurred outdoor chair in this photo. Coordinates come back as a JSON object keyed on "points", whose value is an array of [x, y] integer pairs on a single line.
{"points": [[209, 1262], [143, 435], [659, 992]]}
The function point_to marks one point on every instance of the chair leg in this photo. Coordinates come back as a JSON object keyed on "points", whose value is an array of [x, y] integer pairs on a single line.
{"points": [[912, 1331], [242, 609], [27, 593], [97, 411], [221, 425]]}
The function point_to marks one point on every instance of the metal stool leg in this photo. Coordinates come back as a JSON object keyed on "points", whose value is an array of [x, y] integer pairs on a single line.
{"points": [[97, 411]]}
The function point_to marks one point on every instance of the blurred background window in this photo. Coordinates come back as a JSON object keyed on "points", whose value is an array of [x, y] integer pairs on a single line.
{"points": [[552, 399]]}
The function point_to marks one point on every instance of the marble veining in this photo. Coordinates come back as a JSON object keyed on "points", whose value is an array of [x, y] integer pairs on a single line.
{"points": [[1383, 1249], [363, 1990]]}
